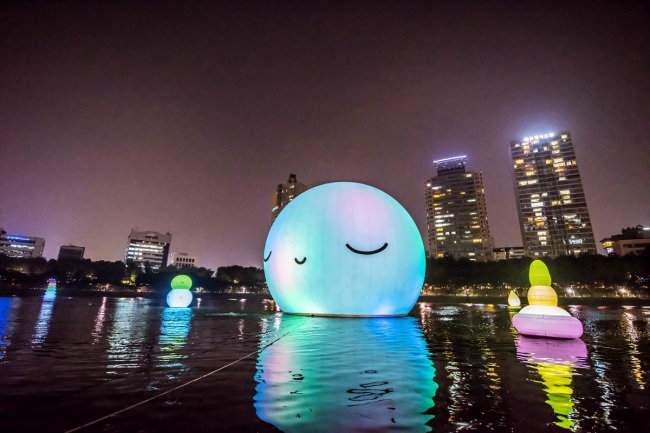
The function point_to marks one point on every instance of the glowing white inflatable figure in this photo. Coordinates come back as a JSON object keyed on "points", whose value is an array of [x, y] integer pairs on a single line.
{"points": [[344, 249], [543, 318], [180, 296], [513, 299]]}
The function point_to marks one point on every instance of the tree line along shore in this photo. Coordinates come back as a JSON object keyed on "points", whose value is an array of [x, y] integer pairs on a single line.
{"points": [[583, 276]]}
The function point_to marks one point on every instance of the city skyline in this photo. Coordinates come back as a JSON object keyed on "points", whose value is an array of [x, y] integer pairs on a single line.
{"points": [[183, 118]]}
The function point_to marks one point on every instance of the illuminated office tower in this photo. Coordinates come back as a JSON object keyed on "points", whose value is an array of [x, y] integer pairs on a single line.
{"points": [[284, 193], [148, 248], [553, 214], [27, 247], [182, 260], [457, 219]]}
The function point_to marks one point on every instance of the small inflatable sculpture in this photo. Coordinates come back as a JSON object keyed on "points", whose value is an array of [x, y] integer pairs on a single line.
{"points": [[513, 299], [344, 249], [180, 296], [542, 317]]}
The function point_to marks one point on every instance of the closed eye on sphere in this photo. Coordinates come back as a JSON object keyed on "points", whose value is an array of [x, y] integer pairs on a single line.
{"points": [[367, 253]]}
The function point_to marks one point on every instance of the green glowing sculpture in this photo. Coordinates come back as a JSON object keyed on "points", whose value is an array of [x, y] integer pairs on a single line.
{"points": [[182, 282], [538, 274]]}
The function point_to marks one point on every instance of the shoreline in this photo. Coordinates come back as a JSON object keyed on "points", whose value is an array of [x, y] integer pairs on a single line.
{"points": [[429, 299]]}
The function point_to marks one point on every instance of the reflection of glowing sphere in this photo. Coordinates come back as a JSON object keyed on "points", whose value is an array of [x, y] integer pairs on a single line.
{"points": [[326, 374], [179, 298], [181, 282], [542, 295], [174, 327], [344, 249], [50, 295]]}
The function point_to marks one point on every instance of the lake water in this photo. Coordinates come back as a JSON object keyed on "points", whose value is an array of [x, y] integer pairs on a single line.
{"points": [[132, 365]]}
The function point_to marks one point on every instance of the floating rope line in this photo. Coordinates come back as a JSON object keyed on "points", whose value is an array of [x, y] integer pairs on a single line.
{"points": [[174, 389]]}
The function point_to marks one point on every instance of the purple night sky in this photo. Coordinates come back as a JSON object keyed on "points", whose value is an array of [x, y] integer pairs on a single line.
{"points": [[184, 116]]}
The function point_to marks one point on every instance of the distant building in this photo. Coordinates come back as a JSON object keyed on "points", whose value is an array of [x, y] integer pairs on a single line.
{"points": [[71, 252], [182, 260], [284, 193], [507, 253], [28, 247], [457, 218], [632, 240], [148, 248], [553, 215]]}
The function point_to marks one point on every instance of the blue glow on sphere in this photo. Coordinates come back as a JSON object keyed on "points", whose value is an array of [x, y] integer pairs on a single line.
{"points": [[346, 249], [179, 298]]}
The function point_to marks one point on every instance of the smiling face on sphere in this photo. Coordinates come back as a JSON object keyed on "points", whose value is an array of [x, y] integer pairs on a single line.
{"points": [[344, 249]]}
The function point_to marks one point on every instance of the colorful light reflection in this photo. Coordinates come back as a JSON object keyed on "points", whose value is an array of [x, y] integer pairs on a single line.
{"points": [[332, 374], [174, 328], [556, 362], [6, 323]]}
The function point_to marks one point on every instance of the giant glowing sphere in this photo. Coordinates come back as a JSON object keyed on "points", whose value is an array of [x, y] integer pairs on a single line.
{"points": [[181, 282], [179, 298], [344, 249]]}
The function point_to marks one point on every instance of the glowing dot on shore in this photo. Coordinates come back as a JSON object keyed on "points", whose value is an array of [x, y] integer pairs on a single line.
{"points": [[344, 249]]}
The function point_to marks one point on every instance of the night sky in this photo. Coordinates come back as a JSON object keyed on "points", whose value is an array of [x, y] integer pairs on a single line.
{"points": [[184, 116]]}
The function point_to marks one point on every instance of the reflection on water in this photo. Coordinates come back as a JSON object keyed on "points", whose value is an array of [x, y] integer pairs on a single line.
{"points": [[632, 339], [127, 335], [98, 328], [44, 316], [173, 335], [451, 368], [328, 366], [6, 324], [556, 362], [335, 374]]}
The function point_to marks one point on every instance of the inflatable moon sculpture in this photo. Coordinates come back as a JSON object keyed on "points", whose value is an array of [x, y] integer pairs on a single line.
{"points": [[542, 317], [180, 296], [344, 249]]}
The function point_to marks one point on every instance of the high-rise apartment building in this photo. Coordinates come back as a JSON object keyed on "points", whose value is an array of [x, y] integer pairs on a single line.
{"points": [[457, 218], [553, 214], [284, 193], [148, 248], [28, 247]]}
